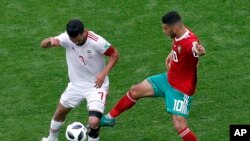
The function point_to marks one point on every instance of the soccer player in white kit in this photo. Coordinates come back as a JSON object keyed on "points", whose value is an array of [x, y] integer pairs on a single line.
{"points": [[88, 75]]}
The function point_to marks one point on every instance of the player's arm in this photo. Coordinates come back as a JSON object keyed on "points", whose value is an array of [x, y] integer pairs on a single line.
{"points": [[50, 42], [113, 56], [169, 59], [199, 50]]}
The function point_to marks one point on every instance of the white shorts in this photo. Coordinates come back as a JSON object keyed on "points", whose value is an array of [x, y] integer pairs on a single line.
{"points": [[74, 95]]}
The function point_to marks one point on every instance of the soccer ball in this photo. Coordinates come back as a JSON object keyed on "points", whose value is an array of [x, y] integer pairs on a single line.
{"points": [[76, 132]]}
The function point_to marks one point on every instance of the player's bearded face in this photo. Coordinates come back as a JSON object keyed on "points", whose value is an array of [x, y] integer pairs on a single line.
{"points": [[78, 40], [168, 30], [172, 34]]}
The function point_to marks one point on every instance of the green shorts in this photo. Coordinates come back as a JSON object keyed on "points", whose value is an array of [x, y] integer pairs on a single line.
{"points": [[176, 102]]}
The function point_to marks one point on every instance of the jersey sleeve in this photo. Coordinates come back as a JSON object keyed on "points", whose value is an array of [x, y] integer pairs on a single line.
{"points": [[63, 38], [190, 45], [102, 45]]}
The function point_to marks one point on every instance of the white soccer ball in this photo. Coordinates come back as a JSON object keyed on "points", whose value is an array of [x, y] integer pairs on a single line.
{"points": [[76, 132]]}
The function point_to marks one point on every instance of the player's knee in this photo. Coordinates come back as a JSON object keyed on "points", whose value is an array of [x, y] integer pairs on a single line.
{"points": [[179, 123], [93, 123], [61, 114], [134, 92], [94, 119]]}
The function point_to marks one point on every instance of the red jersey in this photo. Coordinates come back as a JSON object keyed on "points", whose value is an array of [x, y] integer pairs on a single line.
{"points": [[182, 74]]}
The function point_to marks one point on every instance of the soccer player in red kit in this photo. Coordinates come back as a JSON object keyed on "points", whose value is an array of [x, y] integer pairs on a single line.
{"points": [[177, 86]]}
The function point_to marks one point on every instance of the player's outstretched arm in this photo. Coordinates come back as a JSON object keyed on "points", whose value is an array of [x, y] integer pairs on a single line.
{"points": [[50, 42]]}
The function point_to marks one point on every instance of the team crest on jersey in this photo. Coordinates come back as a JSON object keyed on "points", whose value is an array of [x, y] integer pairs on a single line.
{"points": [[179, 48]]}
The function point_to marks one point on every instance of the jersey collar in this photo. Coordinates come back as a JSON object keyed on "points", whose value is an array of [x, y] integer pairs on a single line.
{"points": [[183, 36]]}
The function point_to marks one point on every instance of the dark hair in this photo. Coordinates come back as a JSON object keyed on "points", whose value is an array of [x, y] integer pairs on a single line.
{"points": [[75, 27], [171, 18]]}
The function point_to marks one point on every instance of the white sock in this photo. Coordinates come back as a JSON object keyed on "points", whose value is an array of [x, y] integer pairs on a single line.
{"points": [[54, 129], [109, 116], [93, 139]]}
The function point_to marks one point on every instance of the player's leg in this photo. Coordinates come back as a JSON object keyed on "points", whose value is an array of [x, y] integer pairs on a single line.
{"points": [[57, 122], [178, 104], [180, 125], [96, 100], [143, 89], [94, 125], [147, 88], [69, 99]]}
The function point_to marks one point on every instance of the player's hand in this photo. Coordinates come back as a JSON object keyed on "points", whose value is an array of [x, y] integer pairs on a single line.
{"points": [[168, 60], [200, 50], [54, 42], [100, 79]]}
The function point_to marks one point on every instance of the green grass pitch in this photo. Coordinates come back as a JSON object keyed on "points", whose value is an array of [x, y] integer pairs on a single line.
{"points": [[32, 79]]}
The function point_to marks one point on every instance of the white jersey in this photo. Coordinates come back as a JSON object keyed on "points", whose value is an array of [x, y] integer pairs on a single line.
{"points": [[87, 61]]}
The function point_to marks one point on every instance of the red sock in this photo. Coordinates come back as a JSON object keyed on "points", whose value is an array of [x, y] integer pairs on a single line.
{"points": [[124, 104], [187, 135]]}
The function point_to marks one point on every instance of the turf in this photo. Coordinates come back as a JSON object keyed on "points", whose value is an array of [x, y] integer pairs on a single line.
{"points": [[32, 79]]}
